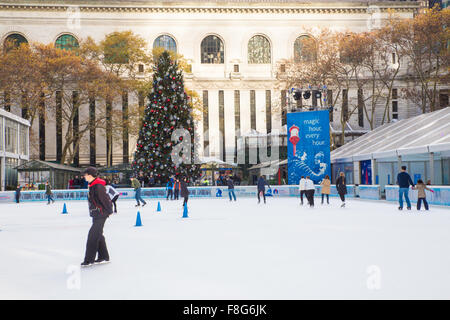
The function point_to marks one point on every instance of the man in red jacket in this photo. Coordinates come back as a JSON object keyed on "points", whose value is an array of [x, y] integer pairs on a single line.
{"points": [[100, 208]]}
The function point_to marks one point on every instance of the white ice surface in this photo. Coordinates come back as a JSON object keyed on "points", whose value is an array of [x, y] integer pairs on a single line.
{"points": [[229, 251]]}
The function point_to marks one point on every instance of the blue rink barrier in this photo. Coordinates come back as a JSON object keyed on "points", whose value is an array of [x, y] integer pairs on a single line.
{"points": [[161, 193], [441, 195], [369, 192]]}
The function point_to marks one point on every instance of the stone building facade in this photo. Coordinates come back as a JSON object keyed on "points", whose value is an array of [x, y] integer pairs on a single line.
{"points": [[234, 48]]}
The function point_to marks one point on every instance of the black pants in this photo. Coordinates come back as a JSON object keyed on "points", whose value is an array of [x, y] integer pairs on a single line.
{"points": [[328, 198], [419, 203], [169, 194], [176, 194], [342, 195], [17, 199], [302, 192], [114, 203], [186, 198], [96, 241], [310, 197], [259, 195]]}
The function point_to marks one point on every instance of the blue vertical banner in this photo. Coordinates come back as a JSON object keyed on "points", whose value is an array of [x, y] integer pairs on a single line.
{"points": [[366, 172], [308, 145]]}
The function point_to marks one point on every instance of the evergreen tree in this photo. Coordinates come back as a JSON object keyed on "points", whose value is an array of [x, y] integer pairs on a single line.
{"points": [[168, 109]]}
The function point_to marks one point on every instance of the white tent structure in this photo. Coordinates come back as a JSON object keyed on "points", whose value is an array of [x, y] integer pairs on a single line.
{"points": [[421, 143]]}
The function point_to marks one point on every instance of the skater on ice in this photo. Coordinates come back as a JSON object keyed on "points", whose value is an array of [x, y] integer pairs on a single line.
{"points": [[169, 189], [421, 194], [326, 188], [113, 195], [341, 187], [302, 189], [18, 189], [100, 207], [404, 181], [184, 191], [262, 188], [176, 189], [48, 192], [310, 190], [137, 189], [230, 184]]}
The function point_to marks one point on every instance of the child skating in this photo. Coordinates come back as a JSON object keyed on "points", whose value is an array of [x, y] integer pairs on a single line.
{"points": [[421, 194]]}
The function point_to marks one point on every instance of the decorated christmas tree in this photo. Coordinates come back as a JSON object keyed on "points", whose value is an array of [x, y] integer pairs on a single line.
{"points": [[169, 109]]}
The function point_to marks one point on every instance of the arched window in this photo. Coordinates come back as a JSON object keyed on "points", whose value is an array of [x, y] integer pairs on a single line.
{"points": [[212, 50], [14, 40], [166, 42], [66, 42], [305, 49], [259, 50]]}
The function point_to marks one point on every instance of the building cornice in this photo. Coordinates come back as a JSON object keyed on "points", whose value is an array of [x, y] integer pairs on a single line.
{"points": [[357, 8]]}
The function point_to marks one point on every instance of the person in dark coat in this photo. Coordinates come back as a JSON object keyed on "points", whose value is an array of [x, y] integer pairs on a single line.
{"points": [[262, 188], [76, 183], [176, 189], [341, 188], [404, 181], [230, 185], [184, 191], [100, 207], [18, 189]]}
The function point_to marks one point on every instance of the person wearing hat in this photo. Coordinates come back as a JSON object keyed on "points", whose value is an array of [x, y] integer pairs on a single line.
{"points": [[100, 208]]}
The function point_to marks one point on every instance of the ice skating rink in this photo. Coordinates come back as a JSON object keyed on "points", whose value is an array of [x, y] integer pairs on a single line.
{"points": [[238, 250]]}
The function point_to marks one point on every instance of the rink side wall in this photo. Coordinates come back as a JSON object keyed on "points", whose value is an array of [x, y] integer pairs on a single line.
{"points": [[441, 195], [362, 192]]}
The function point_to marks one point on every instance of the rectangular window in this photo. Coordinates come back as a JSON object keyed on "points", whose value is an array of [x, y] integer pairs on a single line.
{"points": [[345, 104], [443, 100], [315, 97], [58, 126], [141, 68], [237, 111], [269, 110], [125, 139], [1, 135], [42, 129], [222, 121], [11, 136], [141, 103], [360, 108], [299, 102], [92, 142], [237, 117], [283, 68], [76, 119], [109, 138], [330, 103], [253, 109], [23, 140], [394, 106], [394, 94], [236, 68], [24, 106], [205, 122], [283, 107]]}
